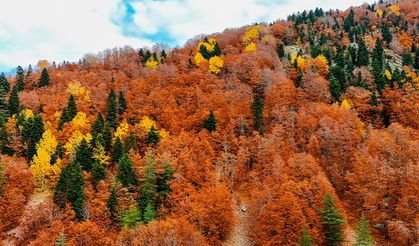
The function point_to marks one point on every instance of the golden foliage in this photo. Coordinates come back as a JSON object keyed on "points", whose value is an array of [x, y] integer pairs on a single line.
{"points": [[395, 9], [388, 74], [76, 89], [345, 105], [209, 45], [41, 64], [251, 34], [251, 47], [80, 121], [45, 174], [74, 141], [146, 123], [215, 64], [99, 155], [151, 63], [198, 59], [122, 130], [27, 113]]}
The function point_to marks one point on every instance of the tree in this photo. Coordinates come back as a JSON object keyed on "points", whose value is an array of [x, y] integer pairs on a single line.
{"points": [[107, 137], [335, 89], [44, 79], [280, 50], [130, 218], [349, 21], [305, 238], [111, 110], [117, 150], [416, 65], [70, 189], [4, 83], [20, 79], [373, 101], [148, 188], [377, 64], [332, 221], [126, 174], [97, 126], [32, 131], [386, 34], [149, 214], [209, 123], [13, 103], [362, 234], [68, 112], [362, 54], [4, 139], [257, 111], [84, 155], [112, 204], [98, 173], [152, 136], [122, 103]]}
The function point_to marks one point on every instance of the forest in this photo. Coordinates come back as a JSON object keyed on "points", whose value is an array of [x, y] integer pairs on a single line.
{"points": [[303, 131]]}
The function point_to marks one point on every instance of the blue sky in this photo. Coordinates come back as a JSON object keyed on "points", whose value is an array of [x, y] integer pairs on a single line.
{"points": [[59, 30]]}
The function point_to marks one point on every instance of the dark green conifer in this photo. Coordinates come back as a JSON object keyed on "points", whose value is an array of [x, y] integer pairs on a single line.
{"points": [[332, 222], [122, 103], [148, 187], [107, 137], [98, 173], [209, 123], [20, 79], [84, 155], [13, 103], [117, 150], [97, 126], [4, 83], [111, 110], [349, 21], [362, 54], [44, 79], [257, 112], [152, 136], [111, 204], [280, 50], [126, 174]]}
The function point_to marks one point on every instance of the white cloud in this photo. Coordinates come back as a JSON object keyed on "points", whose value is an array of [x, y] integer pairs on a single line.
{"points": [[59, 30]]}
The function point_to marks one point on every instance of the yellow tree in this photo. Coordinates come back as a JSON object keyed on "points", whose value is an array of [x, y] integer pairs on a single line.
{"points": [[44, 172], [215, 64]]}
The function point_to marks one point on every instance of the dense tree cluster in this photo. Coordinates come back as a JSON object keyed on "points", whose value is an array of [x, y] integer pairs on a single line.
{"points": [[299, 132]]}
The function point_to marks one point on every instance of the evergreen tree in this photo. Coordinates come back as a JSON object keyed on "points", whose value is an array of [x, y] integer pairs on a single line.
{"points": [[130, 218], [107, 137], [216, 51], [122, 103], [257, 111], [163, 188], [362, 54], [149, 214], [70, 188], [20, 79], [332, 221], [3, 103], [280, 50], [4, 83], [407, 59], [349, 21], [97, 126], [148, 187], [4, 139], [68, 113], [126, 174], [373, 101], [129, 143], [84, 155], [112, 204], [13, 103], [386, 34], [98, 173], [32, 131], [152, 136], [362, 234], [305, 238], [44, 79], [117, 150], [377, 64], [111, 110], [416, 65], [335, 88], [209, 123]]}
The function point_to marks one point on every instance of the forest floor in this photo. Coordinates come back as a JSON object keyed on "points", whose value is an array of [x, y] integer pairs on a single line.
{"points": [[16, 232], [239, 236]]}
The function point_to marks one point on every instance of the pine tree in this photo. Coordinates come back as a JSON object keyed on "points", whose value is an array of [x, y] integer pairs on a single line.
{"points": [[3, 103], [84, 155], [97, 126], [70, 188], [386, 34], [407, 59], [362, 234], [13, 103], [217, 50], [416, 65], [107, 137], [117, 150], [280, 50], [209, 123], [4, 83], [68, 113], [257, 111], [4, 139], [152, 136], [349, 21], [126, 174], [149, 214], [44, 79], [377, 64], [98, 173], [20, 79], [148, 187], [332, 221], [305, 238], [111, 110], [112, 204], [362, 54], [122, 103], [373, 101]]}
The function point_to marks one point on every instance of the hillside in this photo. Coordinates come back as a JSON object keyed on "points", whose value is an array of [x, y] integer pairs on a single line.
{"points": [[305, 129]]}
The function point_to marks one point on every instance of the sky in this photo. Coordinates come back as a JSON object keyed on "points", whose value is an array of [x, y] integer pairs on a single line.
{"points": [[58, 30]]}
